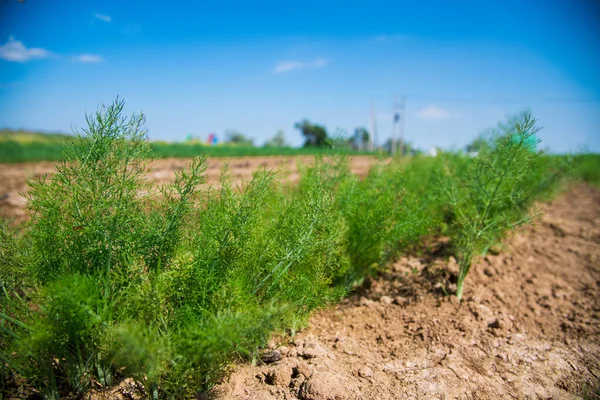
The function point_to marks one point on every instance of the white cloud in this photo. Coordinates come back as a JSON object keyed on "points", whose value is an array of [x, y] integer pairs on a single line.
{"points": [[88, 58], [287, 66], [435, 112], [102, 17], [14, 50], [319, 62]]}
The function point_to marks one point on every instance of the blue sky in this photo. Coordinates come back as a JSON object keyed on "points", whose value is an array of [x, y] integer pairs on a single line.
{"points": [[201, 67]]}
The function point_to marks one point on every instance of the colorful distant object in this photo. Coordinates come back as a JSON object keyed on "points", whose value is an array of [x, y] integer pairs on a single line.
{"points": [[530, 142], [212, 139]]}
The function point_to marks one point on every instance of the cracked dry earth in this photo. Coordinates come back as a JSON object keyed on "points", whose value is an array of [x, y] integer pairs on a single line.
{"points": [[528, 327]]}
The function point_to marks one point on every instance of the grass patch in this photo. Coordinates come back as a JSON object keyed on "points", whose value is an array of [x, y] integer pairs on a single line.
{"points": [[587, 168]]}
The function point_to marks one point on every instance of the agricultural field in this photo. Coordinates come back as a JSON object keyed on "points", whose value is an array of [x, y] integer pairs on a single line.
{"points": [[310, 278], [14, 176], [23, 146]]}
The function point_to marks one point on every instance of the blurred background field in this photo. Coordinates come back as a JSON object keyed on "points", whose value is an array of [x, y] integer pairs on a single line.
{"points": [[24, 146]]}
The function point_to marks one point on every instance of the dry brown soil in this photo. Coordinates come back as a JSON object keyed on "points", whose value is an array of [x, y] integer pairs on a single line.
{"points": [[528, 327], [14, 177]]}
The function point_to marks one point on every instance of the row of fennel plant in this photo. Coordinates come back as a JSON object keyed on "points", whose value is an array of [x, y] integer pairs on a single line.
{"points": [[112, 277]]}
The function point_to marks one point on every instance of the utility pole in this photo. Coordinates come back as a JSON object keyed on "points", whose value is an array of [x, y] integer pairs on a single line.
{"points": [[402, 121], [398, 125], [374, 139], [395, 120]]}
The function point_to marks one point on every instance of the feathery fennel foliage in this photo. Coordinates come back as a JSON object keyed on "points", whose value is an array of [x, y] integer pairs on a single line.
{"points": [[95, 228], [492, 194]]}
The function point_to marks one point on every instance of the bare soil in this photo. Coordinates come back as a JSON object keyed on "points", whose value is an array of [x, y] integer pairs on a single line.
{"points": [[528, 327], [14, 177]]}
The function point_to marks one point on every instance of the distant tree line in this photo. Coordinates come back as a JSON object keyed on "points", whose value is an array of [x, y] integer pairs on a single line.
{"points": [[316, 136]]}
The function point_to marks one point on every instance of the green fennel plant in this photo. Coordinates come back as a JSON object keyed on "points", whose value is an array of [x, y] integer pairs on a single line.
{"points": [[91, 223], [492, 194]]}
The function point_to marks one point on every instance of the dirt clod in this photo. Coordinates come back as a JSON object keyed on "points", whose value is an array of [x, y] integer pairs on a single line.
{"points": [[280, 377], [365, 372], [125, 390], [284, 350], [271, 356], [303, 369], [325, 386], [312, 349]]}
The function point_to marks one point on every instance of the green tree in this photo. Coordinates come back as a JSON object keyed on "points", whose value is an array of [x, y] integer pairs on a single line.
{"points": [[478, 144], [278, 140], [236, 137], [361, 138], [403, 148], [315, 135]]}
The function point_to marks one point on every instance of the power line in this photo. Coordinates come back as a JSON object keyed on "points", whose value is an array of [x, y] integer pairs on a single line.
{"points": [[505, 101], [501, 100]]}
